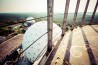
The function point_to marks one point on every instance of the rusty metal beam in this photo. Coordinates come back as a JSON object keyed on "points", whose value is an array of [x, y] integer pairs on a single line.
{"points": [[94, 12], [75, 14], [84, 14], [65, 17], [50, 23]]}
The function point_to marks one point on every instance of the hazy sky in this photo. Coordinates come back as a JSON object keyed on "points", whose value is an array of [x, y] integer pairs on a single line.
{"points": [[41, 5]]}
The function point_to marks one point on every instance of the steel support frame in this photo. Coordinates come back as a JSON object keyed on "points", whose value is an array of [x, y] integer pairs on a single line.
{"points": [[92, 18], [50, 23], [65, 17], [75, 14], [84, 14]]}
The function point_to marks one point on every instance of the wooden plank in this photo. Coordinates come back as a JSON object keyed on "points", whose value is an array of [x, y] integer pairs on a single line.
{"points": [[92, 38], [89, 50], [75, 14], [50, 23], [78, 53], [65, 17], [82, 50], [84, 14], [59, 56], [91, 21], [10, 45]]}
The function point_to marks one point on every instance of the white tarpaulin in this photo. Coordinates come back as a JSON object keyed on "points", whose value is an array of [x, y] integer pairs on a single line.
{"points": [[33, 33]]}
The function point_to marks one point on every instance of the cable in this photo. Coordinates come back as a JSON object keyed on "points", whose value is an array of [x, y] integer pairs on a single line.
{"points": [[36, 18], [33, 43], [44, 33], [37, 39], [41, 53], [43, 17], [31, 19]]}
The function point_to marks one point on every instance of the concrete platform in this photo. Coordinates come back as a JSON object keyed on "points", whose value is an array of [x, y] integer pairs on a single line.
{"points": [[78, 47]]}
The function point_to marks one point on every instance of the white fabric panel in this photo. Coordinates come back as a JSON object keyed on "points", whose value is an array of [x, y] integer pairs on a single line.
{"points": [[33, 33]]}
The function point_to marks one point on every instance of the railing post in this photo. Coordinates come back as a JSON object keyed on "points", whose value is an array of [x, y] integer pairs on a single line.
{"points": [[65, 17], [84, 14], [94, 13], [75, 14], [50, 23]]}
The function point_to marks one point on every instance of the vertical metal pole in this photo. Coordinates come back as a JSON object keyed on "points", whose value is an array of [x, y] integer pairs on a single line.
{"points": [[50, 23], [94, 12], [84, 14], [75, 14], [65, 17]]}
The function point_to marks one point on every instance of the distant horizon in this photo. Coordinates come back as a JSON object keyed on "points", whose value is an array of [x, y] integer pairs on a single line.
{"points": [[45, 12]]}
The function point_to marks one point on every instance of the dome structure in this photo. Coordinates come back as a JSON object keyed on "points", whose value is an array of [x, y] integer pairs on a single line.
{"points": [[33, 33], [29, 21]]}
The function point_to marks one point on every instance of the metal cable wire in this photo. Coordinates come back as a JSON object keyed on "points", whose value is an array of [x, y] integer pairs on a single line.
{"points": [[30, 45], [43, 17], [37, 38], [43, 35], [41, 53], [33, 19], [33, 43]]}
